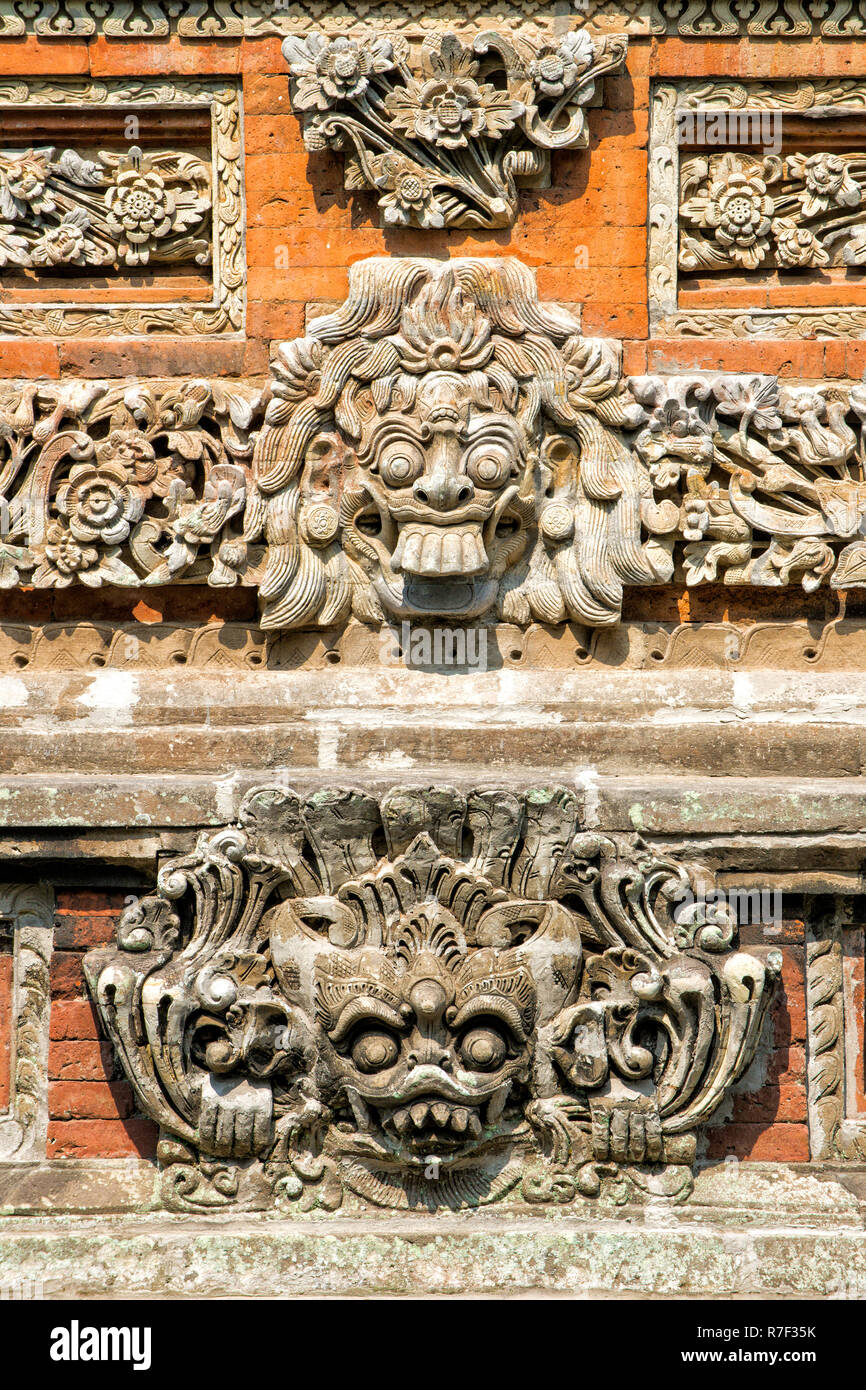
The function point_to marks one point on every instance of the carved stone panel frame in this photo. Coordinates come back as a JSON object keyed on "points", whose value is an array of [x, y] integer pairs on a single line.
{"points": [[837, 1123], [224, 311], [825, 100], [27, 910]]}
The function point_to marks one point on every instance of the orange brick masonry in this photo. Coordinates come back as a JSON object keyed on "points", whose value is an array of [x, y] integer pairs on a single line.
{"points": [[92, 1111]]}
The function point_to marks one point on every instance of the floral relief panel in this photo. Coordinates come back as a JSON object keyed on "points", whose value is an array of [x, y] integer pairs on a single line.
{"points": [[88, 187], [757, 212]]}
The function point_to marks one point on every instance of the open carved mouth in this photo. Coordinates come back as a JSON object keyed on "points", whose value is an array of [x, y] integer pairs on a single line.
{"points": [[435, 551], [433, 1125]]}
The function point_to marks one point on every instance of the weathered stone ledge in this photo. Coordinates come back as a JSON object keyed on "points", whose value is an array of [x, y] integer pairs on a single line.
{"points": [[191, 1257], [804, 811]]}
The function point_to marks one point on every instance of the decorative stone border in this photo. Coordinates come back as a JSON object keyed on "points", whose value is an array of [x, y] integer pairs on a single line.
{"points": [[24, 1126], [826, 100], [224, 312], [834, 1133], [227, 19]]}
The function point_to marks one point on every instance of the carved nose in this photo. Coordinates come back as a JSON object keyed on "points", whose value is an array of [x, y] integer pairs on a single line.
{"points": [[428, 999], [442, 491]]}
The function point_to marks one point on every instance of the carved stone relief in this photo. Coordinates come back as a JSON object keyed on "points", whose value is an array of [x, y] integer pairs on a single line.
{"points": [[60, 209], [27, 915], [446, 133], [433, 999], [746, 212], [765, 215], [837, 1126], [442, 446], [129, 210]]}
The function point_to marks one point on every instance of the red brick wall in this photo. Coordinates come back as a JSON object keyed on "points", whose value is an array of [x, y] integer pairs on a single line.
{"points": [[91, 1111], [769, 1123], [296, 201]]}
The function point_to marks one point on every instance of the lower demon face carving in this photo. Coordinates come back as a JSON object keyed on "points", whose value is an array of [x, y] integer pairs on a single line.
{"points": [[358, 997], [428, 1007]]}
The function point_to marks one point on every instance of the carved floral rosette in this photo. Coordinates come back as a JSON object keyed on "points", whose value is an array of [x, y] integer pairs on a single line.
{"points": [[427, 999]]}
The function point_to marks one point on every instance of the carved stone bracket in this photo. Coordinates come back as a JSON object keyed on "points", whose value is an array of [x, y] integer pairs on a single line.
{"points": [[445, 133], [431, 999], [27, 920]]}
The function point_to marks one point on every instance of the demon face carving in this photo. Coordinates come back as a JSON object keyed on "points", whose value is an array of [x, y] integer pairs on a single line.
{"points": [[446, 445], [443, 470], [428, 998], [428, 989]]}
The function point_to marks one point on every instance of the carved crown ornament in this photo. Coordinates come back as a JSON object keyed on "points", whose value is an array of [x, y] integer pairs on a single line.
{"points": [[430, 999], [442, 446], [446, 132]]}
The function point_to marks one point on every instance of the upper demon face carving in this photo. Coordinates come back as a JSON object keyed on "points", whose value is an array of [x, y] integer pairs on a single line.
{"points": [[444, 476], [439, 446]]}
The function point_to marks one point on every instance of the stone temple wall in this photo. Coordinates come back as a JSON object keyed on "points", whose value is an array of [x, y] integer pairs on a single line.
{"points": [[432, 516]]}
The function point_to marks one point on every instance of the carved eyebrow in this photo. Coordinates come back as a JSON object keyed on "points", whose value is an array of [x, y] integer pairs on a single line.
{"points": [[366, 1010], [501, 425], [491, 1005], [393, 428]]}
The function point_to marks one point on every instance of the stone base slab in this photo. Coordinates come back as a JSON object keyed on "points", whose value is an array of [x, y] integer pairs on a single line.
{"points": [[748, 1231]]}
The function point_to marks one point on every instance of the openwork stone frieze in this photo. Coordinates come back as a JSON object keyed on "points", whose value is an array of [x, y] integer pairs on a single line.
{"points": [[61, 209], [432, 999], [446, 133], [125, 209], [442, 446], [204, 19]]}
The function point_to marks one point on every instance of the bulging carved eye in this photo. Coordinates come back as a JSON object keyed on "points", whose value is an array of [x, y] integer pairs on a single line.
{"points": [[482, 1048], [374, 1050], [489, 466], [400, 463]]}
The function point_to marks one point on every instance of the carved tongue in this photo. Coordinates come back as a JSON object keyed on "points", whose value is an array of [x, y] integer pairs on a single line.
{"points": [[440, 551]]}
